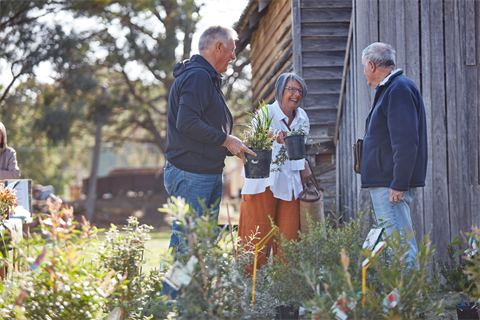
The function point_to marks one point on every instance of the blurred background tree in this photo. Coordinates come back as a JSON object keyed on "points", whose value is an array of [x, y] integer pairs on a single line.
{"points": [[125, 50]]}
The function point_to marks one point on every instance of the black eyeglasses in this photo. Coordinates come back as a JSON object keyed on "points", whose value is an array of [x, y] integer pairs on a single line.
{"points": [[292, 90]]}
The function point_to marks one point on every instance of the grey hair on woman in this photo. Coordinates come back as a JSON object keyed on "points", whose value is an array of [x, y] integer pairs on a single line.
{"points": [[282, 81], [213, 34], [381, 54]]}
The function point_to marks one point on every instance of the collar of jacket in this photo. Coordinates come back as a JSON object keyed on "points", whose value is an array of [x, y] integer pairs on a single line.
{"points": [[389, 78]]}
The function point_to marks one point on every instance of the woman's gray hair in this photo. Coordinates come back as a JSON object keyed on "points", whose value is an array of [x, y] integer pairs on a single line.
{"points": [[282, 81], [381, 54], [213, 34]]}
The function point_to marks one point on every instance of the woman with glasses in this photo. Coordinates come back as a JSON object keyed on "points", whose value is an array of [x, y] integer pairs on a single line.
{"points": [[276, 197]]}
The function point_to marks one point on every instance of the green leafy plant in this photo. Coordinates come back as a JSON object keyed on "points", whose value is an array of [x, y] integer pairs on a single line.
{"points": [[216, 289], [156, 305], [454, 272], [399, 292], [319, 250], [471, 255], [123, 253], [258, 135], [59, 283]]}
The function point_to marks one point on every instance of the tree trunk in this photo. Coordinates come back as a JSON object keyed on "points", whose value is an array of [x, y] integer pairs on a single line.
{"points": [[92, 181]]}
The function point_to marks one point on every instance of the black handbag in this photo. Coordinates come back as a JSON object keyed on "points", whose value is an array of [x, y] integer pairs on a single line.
{"points": [[357, 155]]}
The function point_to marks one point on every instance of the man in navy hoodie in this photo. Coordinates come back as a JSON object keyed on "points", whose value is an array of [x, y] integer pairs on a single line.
{"points": [[394, 154], [199, 127]]}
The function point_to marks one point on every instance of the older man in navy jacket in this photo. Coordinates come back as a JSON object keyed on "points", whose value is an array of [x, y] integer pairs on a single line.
{"points": [[394, 155]]}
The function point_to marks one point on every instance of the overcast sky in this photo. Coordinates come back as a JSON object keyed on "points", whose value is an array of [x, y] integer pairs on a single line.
{"points": [[223, 12]]}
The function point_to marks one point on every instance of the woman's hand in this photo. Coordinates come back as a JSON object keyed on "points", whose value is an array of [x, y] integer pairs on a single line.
{"points": [[279, 135], [305, 173]]}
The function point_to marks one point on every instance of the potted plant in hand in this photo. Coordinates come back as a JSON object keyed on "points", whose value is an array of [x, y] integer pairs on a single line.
{"points": [[259, 138], [295, 143]]}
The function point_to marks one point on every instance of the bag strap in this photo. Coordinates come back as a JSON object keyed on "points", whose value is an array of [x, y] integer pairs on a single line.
{"points": [[313, 178]]}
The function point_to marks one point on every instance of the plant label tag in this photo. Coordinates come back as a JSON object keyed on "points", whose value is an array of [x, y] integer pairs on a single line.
{"points": [[341, 306], [172, 276], [391, 300], [375, 252], [339, 314], [181, 275], [373, 238]]}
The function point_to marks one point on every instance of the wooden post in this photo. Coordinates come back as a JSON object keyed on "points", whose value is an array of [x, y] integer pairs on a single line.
{"points": [[297, 37]]}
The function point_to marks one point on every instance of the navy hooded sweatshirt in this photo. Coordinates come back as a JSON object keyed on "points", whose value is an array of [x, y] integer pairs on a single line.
{"points": [[198, 118], [394, 152]]}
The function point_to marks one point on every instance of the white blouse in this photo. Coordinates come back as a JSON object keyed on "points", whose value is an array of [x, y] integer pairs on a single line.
{"points": [[281, 183]]}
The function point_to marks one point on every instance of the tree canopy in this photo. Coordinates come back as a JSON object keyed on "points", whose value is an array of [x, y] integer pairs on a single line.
{"points": [[126, 48]]}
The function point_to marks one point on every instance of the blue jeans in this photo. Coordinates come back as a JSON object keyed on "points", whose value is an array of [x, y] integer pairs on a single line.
{"points": [[191, 187], [395, 216]]}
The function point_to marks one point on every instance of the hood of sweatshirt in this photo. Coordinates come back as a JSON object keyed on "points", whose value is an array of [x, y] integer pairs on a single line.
{"points": [[196, 61]]}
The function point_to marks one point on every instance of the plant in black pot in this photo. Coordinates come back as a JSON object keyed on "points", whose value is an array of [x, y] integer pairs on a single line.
{"points": [[295, 146], [295, 143], [259, 138]]}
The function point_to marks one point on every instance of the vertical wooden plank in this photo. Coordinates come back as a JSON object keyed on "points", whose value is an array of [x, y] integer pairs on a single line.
{"points": [[364, 92], [472, 124], [400, 31], [297, 38], [426, 87], [439, 155], [470, 25], [464, 214], [387, 22], [477, 16], [475, 205], [411, 42]]}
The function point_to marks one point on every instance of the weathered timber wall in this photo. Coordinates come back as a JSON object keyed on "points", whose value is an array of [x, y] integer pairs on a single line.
{"points": [[438, 47], [323, 28], [271, 50]]}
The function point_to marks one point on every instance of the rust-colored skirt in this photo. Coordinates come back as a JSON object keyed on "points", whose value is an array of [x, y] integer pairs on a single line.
{"points": [[256, 211]]}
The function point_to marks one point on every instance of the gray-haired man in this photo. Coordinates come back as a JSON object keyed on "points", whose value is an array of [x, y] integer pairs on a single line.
{"points": [[394, 155], [199, 127]]}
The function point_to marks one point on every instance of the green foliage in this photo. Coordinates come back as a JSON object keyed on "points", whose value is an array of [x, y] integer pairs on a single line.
{"points": [[318, 250], [472, 257], [258, 135], [454, 272], [123, 253], [396, 279], [155, 304], [216, 289], [65, 286]]}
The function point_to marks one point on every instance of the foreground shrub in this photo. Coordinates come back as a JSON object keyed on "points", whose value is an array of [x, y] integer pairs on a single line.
{"points": [[472, 257], [454, 273], [59, 282], [123, 253], [400, 291], [216, 289], [319, 251]]}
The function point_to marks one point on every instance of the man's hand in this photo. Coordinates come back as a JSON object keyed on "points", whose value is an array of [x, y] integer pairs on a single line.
{"points": [[395, 196], [237, 148], [305, 173]]}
